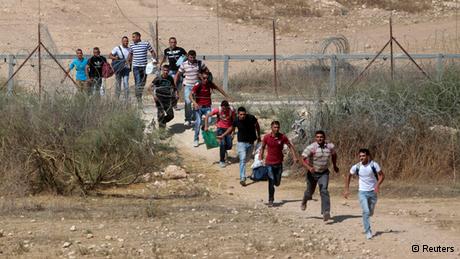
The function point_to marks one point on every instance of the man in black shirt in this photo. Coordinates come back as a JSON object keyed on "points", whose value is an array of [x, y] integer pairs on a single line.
{"points": [[248, 132], [164, 94], [94, 67], [173, 54]]}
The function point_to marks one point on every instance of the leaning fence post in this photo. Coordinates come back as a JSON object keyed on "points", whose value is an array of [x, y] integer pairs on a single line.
{"points": [[225, 82], [439, 66], [333, 75], [10, 73]]}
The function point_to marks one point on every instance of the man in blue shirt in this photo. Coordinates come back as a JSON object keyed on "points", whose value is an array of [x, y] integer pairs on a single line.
{"points": [[81, 76]]}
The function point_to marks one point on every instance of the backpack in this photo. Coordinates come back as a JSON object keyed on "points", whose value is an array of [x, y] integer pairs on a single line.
{"points": [[374, 170], [107, 70]]}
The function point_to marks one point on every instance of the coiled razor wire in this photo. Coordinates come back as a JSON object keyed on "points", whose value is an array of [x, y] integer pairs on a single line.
{"points": [[341, 45]]}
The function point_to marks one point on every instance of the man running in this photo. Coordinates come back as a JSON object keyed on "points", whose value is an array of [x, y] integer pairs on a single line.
{"points": [[119, 56], [95, 71], [173, 54], [164, 93], [191, 70], [316, 159], [370, 179], [248, 132], [81, 76], [200, 96], [138, 59], [274, 143], [225, 117]]}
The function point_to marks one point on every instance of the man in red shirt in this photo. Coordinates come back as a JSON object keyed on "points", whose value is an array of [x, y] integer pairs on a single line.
{"points": [[225, 117], [201, 99], [274, 142]]}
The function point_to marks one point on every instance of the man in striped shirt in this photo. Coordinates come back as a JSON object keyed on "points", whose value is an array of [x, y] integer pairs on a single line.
{"points": [[138, 59], [191, 70], [316, 159]]}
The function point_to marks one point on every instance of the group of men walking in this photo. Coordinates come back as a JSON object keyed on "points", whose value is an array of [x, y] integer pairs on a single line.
{"points": [[185, 72]]}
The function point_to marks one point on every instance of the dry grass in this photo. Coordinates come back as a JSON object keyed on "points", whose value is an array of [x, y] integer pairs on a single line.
{"points": [[70, 145]]}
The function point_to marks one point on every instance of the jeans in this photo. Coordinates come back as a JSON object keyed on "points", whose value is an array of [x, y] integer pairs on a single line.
{"points": [[139, 80], [225, 143], [122, 78], [367, 200], [165, 111], [244, 153], [274, 179], [188, 103], [322, 179], [96, 84], [198, 115]]}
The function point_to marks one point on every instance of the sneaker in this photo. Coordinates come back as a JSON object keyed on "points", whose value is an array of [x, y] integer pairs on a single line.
{"points": [[303, 206], [270, 204], [222, 164], [326, 216], [369, 235], [187, 123], [195, 143], [243, 183]]}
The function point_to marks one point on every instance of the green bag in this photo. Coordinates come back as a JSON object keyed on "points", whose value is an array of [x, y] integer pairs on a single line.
{"points": [[210, 139]]}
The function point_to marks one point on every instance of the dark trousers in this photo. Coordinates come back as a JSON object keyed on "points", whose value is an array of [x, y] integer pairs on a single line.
{"points": [[274, 179], [225, 143], [322, 179], [165, 111]]}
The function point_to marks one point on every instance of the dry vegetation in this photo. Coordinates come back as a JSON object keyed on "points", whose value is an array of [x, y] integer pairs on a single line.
{"points": [[68, 145]]}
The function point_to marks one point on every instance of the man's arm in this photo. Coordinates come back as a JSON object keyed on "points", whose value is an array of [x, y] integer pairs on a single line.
{"points": [[381, 177], [66, 75], [258, 131], [227, 132], [262, 150], [346, 191], [218, 88], [113, 57], [293, 151], [130, 58], [177, 77], [153, 53], [334, 162]]}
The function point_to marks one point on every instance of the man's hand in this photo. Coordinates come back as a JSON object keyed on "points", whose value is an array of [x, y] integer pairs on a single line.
{"points": [[155, 98], [336, 169], [311, 169], [206, 129], [346, 194], [196, 106], [376, 189]]}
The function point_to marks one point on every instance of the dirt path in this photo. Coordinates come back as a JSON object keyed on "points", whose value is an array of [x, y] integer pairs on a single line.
{"points": [[399, 223]]}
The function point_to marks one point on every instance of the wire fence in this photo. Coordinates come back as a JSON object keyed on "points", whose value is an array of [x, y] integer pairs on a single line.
{"points": [[305, 76]]}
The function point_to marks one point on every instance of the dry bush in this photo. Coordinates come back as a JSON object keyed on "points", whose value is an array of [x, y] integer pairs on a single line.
{"points": [[393, 119], [70, 145]]}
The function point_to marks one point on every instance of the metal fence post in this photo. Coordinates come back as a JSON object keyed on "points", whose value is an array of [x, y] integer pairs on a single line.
{"points": [[333, 75], [439, 66], [225, 82], [10, 73]]}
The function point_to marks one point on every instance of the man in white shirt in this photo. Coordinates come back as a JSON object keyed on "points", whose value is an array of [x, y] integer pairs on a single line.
{"points": [[370, 178], [120, 64]]}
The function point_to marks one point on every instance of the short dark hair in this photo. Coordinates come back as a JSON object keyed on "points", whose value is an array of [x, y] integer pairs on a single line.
{"points": [[275, 123], [165, 66], [241, 109], [191, 52], [320, 132], [224, 103], [365, 151], [172, 38], [96, 48], [125, 37], [79, 50], [136, 33]]}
